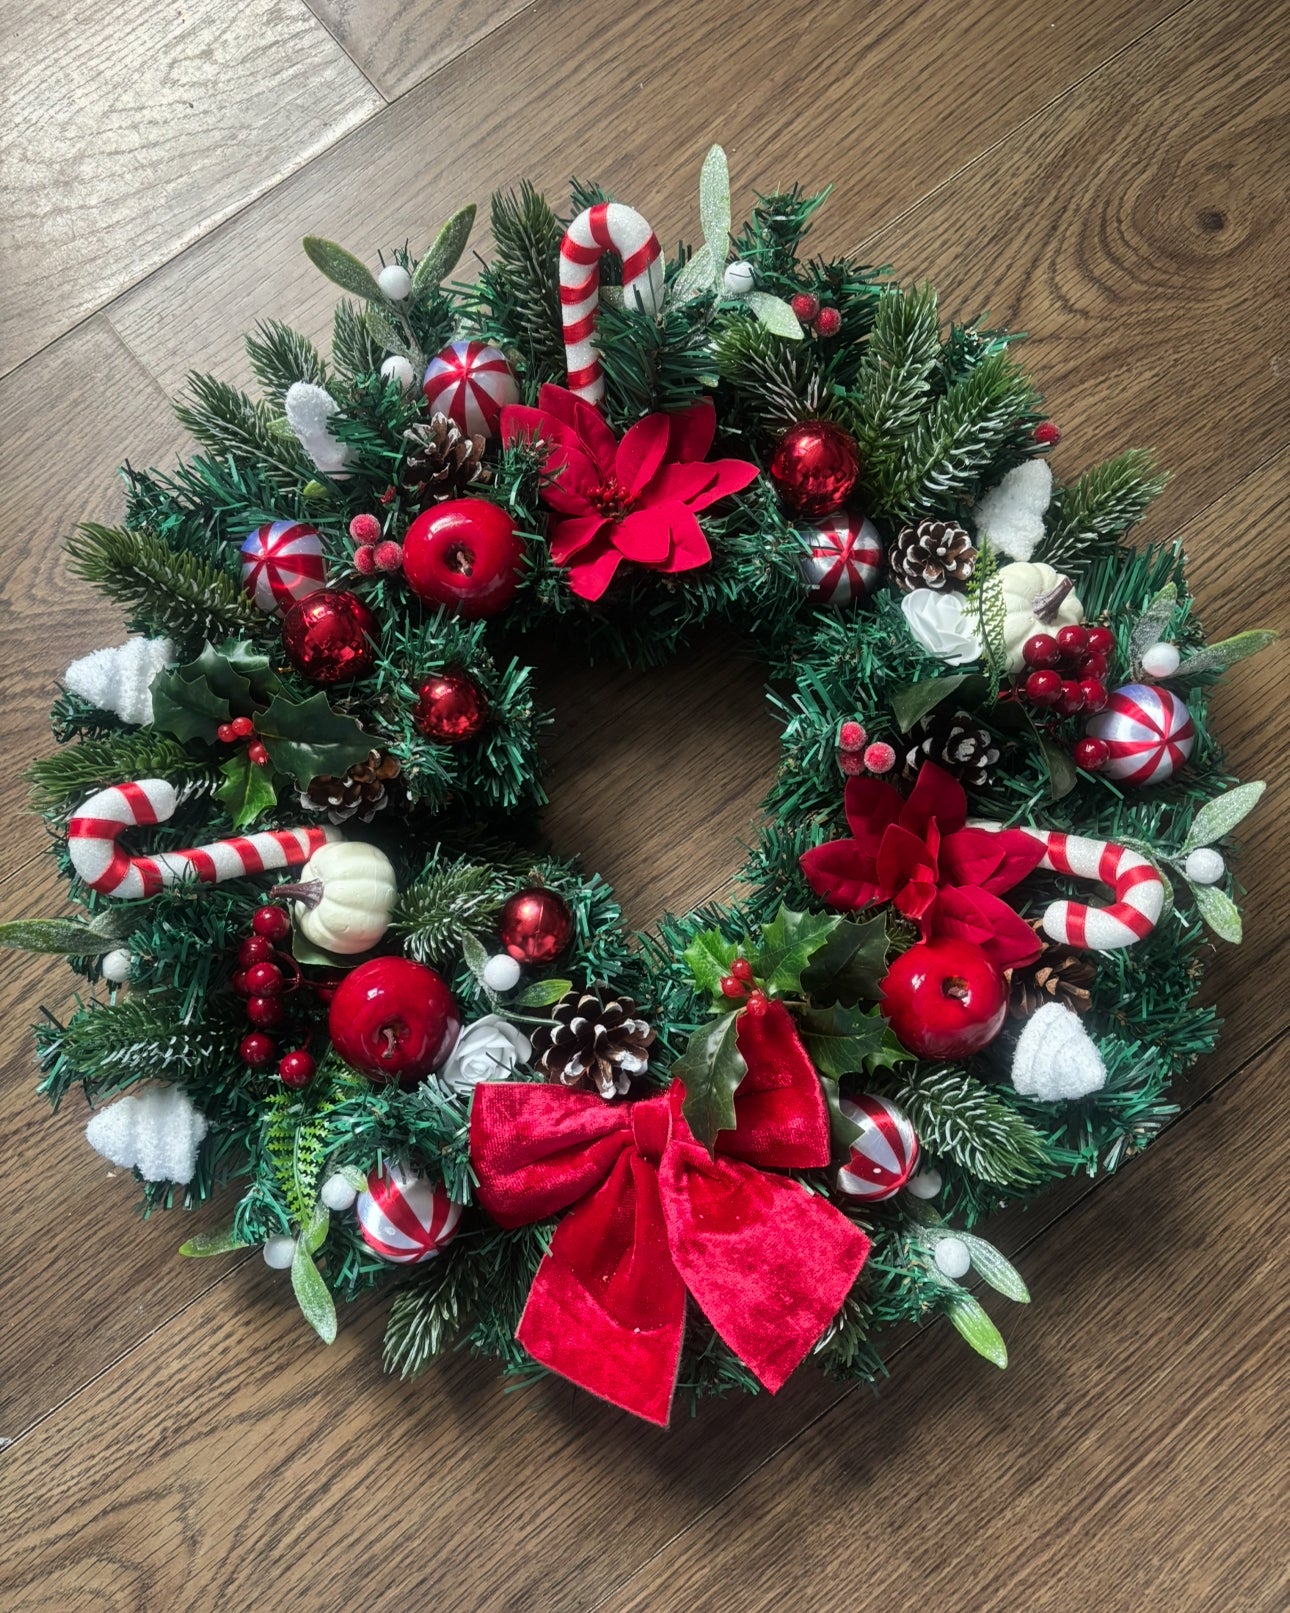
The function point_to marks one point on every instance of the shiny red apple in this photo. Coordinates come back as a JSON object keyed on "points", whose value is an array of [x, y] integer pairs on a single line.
{"points": [[393, 1019], [465, 554], [944, 999]]}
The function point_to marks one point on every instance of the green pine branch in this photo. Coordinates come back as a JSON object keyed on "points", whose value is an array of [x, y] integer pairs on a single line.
{"points": [[165, 591], [895, 374], [1087, 520], [449, 901], [281, 356], [107, 1048], [62, 780], [959, 1119], [228, 423], [355, 351]]}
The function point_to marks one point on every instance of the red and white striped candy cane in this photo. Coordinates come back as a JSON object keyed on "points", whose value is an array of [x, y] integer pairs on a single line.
{"points": [[1139, 892], [606, 227], [105, 867]]}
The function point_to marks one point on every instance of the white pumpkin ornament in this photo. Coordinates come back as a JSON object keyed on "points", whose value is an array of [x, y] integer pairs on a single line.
{"points": [[344, 897], [1036, 599]]}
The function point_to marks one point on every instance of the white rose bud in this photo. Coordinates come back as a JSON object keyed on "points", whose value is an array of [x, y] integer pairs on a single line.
{"points": [[488, 1050], [943, 625]]}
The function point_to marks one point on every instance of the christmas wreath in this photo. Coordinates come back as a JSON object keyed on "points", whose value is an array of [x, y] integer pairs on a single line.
{"points": [[330, 963]]}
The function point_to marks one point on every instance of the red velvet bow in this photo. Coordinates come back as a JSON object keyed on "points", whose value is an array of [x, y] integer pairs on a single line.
{"points": [[653, 1215]]}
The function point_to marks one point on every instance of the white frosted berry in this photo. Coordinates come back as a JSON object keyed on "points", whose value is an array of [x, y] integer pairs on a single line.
{"points": [[501, 972], [1205, 866], [925, 1184], [1161, 660], [738, 280], [395, 281], [279, 1253], [116, 965], [397, 368], [952, 1257], [338, 1192]]}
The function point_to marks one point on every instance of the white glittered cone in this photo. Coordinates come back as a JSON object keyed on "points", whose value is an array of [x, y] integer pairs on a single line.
{"points": [[120, 680], [156, 1131], [1056, 1059]]}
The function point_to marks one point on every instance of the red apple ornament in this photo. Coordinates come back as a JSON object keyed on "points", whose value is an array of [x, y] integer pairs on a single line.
{"points": [[465, 554], [394, 1020], [944, 999]]}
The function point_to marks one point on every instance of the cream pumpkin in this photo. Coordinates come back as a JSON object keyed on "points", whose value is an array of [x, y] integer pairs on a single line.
{"points": [[344, 896], [1036, 599]]}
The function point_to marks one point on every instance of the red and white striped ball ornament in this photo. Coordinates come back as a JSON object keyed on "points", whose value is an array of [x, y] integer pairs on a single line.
{"points": [[1149, 731], [471, 383], [885, 1154], [843, 559], [404, 1218], [282, 562]]}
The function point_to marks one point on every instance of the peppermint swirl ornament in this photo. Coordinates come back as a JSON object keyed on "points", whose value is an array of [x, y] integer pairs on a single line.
{"points": [[282, 562], [471, 383], [843, 559], [885, 1154], [404, 1218], [1148, 731]]}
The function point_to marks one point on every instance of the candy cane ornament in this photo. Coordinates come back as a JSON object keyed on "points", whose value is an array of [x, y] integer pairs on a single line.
{"points": [[102, 864], [1139, 892], [606, 227]]}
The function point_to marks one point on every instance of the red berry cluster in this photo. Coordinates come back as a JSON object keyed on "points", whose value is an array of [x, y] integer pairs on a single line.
{"points": [[370, 552], [1066, 678], [824, 321], [738, 984], [264, 974], [228, 733]]}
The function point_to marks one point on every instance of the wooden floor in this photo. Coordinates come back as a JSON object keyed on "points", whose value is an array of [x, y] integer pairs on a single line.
{"points": [[1109, 176]]}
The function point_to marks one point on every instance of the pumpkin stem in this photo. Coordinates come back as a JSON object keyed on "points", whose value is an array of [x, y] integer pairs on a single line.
{"points": [[1046, 606], [309, 891]]}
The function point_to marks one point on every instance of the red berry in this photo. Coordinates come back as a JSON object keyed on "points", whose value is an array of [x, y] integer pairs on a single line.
{"points": [[730, 987], [271, 922], [879, 758], [757, 1003], [741, 969], [1047, 434], [1093, 665], [265, 1012], [242, 727], [255, 949], [256, 1049], [264, 980], [828, 322], [1044, 688], [851, 736], [1094, 692], [365, 529], [388, 556], [238, 983], [224, 733], [1092, 754], [1072, 639], [257, 753], [1041, 649], [1101, 640], [1071, 699], [805, 305], [365, 560], [296, 1069], [849, 764]]}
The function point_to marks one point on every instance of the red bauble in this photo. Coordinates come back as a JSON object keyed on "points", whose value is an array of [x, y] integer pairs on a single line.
{"points": [[450, 708], [465, 554], [328, 636], [815, 467], [393, 1019], [944, 999], [536, 925]]}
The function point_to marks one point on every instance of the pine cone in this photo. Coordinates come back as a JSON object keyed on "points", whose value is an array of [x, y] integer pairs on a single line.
{"points": [[440, 461], [956, 743], [594, 1040], [933, 554], [1060, 974], [362, 792]]}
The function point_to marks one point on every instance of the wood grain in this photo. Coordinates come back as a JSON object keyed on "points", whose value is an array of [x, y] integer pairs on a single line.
{"points": [[397, 43], [132, 129]]}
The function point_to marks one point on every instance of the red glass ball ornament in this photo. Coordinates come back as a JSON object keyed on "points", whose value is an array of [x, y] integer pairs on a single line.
{"points": [[271, 922], [1044, 688], [328, 636], [450, 708], [536, 925], [296, 1069], [264, 980], [815, 467], [255, 949], [944, 999], [1041, 649], [264, 1012], [1092, 755], [393, 1019], [256, 1049], [466, 554]]}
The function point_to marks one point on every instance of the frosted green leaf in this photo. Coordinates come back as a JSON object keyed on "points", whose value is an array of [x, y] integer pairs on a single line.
{"points": [[212, 1243], [1227, 652], [999, 1272], [342, 267], [542, 993], [474, 954], [714, 205], [775, 314], [313, 1295], [1221, 815], [444, 255], [1153, 621], [1219, 911], [315, 1235], [977, 1328], [697, 279]]}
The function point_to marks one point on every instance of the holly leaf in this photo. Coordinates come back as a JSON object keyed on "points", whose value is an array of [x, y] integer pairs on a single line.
{"points": [[788, 943], [1226, 652], [247, 791], [775, 315], [839, 1040], [444, 254], [343, 268], [307, 738], [914, 700], [711, 1068], [312, 1293], [995, 1269], [185, 705], [850, 964], [252, 665], [714, 205], [1221, 815], [1219, 911], [223, 679], [212, 1243], [709, 956], [542, 993], [976, 1327], [842, 1132]]}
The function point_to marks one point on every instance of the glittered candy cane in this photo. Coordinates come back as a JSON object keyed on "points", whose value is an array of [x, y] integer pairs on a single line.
{"points": [[1139, 892], [606, 227], [102, 864]]}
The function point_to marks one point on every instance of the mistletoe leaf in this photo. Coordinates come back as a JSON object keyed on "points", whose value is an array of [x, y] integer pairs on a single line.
{"points": [[476, 957], [542, 993], [714, 206], [711, 1068], [69, 938], [788, 943], [775, 314], [445, 253], [212, 1243], [307, 738], [388, 334], [313, 1294], [976, 1327], [185, 705], [698, 278], [247, 791], [1227, 652], [315, 1234], [1153, 621], [850, 964], [709, 956], [840, 1040], [995, 1269], [342, 268], [914, 700], [1219, 911], [1221, 815]]}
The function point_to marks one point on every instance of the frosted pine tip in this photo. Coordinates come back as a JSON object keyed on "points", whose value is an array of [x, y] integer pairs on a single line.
{"points": [[851, 736], [880, 758], [365, 528]]}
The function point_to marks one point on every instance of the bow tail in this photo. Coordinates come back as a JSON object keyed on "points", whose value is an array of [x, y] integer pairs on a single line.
{"points": [[607, 1307]]}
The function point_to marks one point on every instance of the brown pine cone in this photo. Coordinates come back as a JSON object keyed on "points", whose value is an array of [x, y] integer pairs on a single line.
{"points": [[954, 741], [594, 1041], [932, 554], [361, 792], [440, 461], [1060, 974]]}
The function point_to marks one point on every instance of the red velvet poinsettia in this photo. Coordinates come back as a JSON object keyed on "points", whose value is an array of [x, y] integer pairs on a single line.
{"points": [[919, 855], [630, 500]]}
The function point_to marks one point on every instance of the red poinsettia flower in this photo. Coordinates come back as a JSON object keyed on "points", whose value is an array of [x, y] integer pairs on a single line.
{"points": [[630, 500], [919, 855]]}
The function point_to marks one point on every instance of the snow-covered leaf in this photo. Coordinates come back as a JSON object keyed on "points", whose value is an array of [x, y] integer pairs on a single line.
{"points": [[1219, 911], [313, 1295], [443, 256], [714, 205], [542, 993], [999, 1272], [1221, 815], [698, 278], [977, 1328], [1153, 621], [343, 268], [1227, 652], [775, 314], [222, 1242]]}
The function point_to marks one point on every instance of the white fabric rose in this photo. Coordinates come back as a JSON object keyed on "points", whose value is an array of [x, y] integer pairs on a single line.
{"points": [[488, 1050], [943, 625]]}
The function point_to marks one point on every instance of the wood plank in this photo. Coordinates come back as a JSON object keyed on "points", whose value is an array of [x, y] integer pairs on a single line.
{"points": [[1128, 1459], [133, 129], [629, 100], [397, 45]]}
